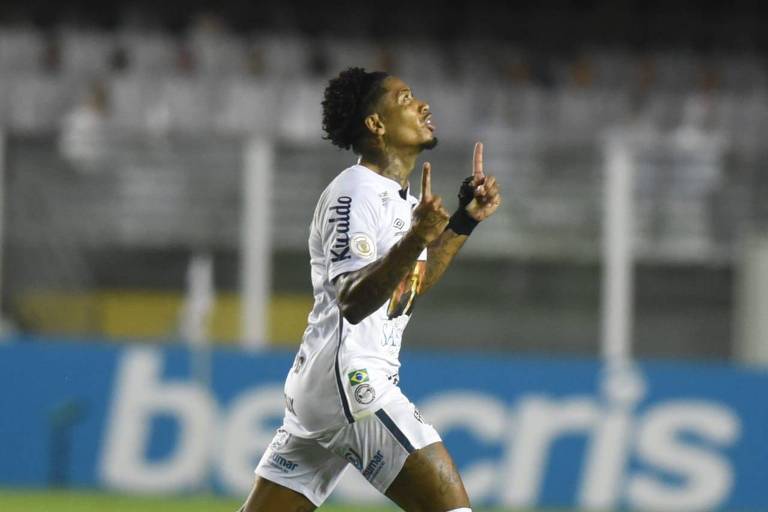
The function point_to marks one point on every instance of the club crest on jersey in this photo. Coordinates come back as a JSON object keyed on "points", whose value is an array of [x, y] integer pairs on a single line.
{"points": [[363, 246], [341, 210], [358, 377], [365, 394], [281, 439]]}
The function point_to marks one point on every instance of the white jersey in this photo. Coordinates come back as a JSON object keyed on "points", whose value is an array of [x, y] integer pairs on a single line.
{"points": [[343, 372]]}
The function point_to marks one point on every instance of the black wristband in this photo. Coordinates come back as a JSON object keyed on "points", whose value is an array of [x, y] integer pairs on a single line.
{"points": [[466, 192], [461, 223]]}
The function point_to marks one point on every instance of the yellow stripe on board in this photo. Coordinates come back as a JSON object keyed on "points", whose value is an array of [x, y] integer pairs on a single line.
{"points": [[152, 315]]}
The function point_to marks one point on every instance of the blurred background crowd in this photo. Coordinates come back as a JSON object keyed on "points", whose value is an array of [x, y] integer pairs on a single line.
{"points": [[124, 125], [561, 64]]}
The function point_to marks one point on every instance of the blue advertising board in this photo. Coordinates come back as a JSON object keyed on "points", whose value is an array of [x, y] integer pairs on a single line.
{"points": [[523, 431]]}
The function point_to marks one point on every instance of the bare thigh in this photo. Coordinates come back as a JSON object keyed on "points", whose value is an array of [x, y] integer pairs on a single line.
{"points": [[428, 482], [267, 496]]}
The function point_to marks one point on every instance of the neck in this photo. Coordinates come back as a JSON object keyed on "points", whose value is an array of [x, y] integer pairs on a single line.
{"points": [[394, 165]]}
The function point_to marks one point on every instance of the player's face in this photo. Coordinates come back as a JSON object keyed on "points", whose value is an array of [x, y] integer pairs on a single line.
{"points": [[407, 119]]}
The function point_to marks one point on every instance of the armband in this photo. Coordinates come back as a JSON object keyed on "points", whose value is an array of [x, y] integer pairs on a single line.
{"points": [[461, 223]]}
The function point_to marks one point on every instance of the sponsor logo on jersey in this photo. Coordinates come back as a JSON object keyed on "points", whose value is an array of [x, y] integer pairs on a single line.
{"points": [[358, 377], [399, 224], [281, 463], [289, 403], [365, 394], [384, 196], [392, 333], [417, 415], [374, 467], [363, 246], [341, 211], [354, 459]]}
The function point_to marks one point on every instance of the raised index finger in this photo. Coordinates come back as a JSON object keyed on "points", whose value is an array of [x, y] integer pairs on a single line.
{"points": [[426, 181], [477, 163]]}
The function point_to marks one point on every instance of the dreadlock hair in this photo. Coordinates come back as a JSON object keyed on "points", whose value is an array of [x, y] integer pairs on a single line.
{"points": [[347, 101]]}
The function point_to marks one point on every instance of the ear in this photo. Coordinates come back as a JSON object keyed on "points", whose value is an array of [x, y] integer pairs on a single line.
{"points": [[374, 125]]}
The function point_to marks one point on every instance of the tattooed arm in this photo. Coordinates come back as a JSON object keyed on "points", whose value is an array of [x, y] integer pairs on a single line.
{"points": [[440, 253], [363, 291]]}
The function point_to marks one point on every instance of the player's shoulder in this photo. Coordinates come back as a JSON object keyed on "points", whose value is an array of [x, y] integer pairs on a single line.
{"points": [[357, 175], [358, 183]]}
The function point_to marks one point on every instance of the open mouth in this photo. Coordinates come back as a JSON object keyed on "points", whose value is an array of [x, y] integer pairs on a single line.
{"points": [[427, 121]]}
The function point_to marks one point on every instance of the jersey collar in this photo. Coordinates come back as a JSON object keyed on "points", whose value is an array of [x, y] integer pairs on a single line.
{"points": [[389, 183]]}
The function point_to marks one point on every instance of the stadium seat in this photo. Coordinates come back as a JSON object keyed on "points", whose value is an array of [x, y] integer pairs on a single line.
{"points": [[21, 49], [37, 102], [85, 52], [300, 111], [148, 52], [247, 106]]}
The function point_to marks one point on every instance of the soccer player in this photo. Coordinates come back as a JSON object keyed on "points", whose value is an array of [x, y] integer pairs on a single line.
{"points": [[374, 248]]}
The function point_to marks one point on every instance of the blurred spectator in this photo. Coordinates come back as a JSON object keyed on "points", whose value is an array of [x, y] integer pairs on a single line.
{"points": [[699, 123], [515, 70], [185, 60], [541, 70], [318, 62], [581, 72], [83, 137], [215, 50], [50, 60], [118, 60], [642, 80], [254, 61], [385, 60]]}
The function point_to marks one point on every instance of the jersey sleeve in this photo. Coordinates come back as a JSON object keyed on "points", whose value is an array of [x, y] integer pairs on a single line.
{"points": [[350, 230]]}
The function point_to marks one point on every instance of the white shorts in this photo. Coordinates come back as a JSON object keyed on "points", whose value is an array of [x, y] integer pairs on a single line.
{"points": [[376, 445]]}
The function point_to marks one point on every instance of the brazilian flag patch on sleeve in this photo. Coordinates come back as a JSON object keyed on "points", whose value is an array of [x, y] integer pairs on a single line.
{"points": [[358, 377]]}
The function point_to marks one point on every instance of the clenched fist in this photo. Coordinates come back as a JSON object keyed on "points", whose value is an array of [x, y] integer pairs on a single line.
{"points": [[429, 216]]}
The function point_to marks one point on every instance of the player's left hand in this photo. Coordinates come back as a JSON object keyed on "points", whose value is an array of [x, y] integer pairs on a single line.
{"points": [[487, 196]]}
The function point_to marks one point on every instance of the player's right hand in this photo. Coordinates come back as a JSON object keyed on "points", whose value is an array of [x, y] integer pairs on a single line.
{"points": [[429, 218]]}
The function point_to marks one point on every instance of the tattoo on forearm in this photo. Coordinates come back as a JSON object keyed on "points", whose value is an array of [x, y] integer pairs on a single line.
{"points": [[439, 255], [364, 291]]}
